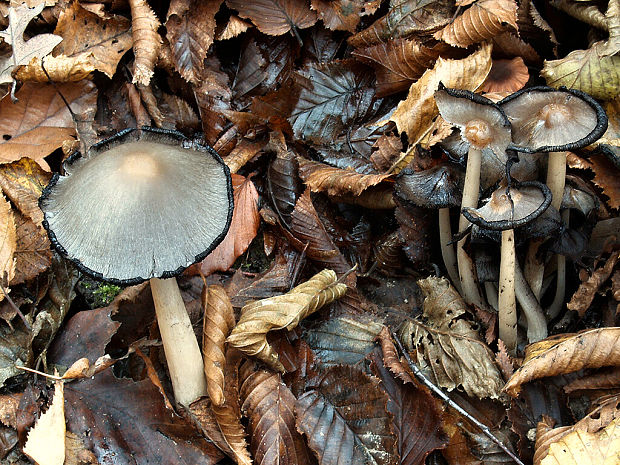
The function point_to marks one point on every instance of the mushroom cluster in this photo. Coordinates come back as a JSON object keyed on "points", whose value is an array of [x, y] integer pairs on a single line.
{"points": [[504, 142], [144, 205]]}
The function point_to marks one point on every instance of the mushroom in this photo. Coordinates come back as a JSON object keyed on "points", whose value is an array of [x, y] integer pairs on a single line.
{"points": [[551, 120], [509, 208], [438, 187], [145, 204], [485, 127]]}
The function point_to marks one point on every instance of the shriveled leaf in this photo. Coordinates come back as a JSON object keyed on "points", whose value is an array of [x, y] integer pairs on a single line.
{"points": [[275, 17], [346, 421], [415, 230], [190, 29], [234, 27], [146, 41], [448, 348], [603, 379], [213, 97], [320, 177], [415, 115], [218, 321], [284, 184], [270, 408], [23, 51], [398, 63], [506, 76], [284, 311], [8, 243], [15, 349], [583, 297], [580, 447], [23, 182], [33, 254], [404, 18], [331, 97], [388, 148], [177, 110], [40, 122], [345, 339], [482, 21], [243, 228], [391, 359], [343, 15], [46, 440], [567, 353]]}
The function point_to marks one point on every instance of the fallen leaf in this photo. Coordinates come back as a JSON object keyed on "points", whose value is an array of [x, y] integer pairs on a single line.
{"points": [[213, 97], [40, 122], [23, 52], [276, 17], [46, 440], [601, 379], [243, 228], [23, 182], [506, 76], [146, 41], [32, 254], [343, 15], [345, 418], [8, 244], [8, 409], [566, 353], [283, 183], [280, 312], [582, 298], [234, 27]]}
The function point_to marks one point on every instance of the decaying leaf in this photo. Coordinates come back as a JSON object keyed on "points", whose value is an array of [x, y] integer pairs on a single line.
{"points": [[243, 227], [482, 21], [506, 76], [33, 254], [23, 182], [448, 348], [270, 407], [567, 353], [276, 17], [23, 51], [8, 244], [603, 379], [583, 297], [218, 321], [343, 15], [46, 441], [284, 311], [234, 27], [345, 419], [146, 41]]}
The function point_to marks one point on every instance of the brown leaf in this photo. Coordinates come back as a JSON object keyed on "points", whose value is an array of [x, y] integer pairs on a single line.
{"points": [[270, 407], [345, 418], [40, 122], [566, 353], [8, 244], [398, 63], [602, 379], [283, 183], [59, 69], [213, 97], [8, 409], [243, 228], [506, 76], [605, 176], [243, 152], [388, 149], [320, 177], [404, 18], [234, 27], [190, 29], [280, 312], [344, 15], [415, 229], [276, 17], [218, 321], [391, 359], [23, 51], [483, 20], [583, 297], [33, 254], [23, 182], [146, 41], [415, 115], [504, 360]]}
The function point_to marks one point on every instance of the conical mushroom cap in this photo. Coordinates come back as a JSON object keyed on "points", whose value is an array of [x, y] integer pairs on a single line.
{"points": [[146, 203]]}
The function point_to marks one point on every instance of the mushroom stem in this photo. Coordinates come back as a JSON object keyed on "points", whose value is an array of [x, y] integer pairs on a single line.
{"points": [[180, 344], [447, 249], [536, 322], [467, 271], [560, 285], [506, 299], [534, 268]]}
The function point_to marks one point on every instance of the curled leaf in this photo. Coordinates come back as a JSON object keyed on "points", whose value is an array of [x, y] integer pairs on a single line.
{"points": [[146, 41], [280, 312], [583, 297], [8, 244]]}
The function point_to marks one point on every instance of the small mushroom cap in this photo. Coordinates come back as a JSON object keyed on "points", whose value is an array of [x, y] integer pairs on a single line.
{"points": [[146, 203], [482, 123], [437, 187], [551, 120], [510, 208]]}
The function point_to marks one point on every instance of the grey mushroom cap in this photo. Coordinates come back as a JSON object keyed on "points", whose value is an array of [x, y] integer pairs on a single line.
{"points": [[437, 187], [146, 203], [545, 119], [511, 208]]}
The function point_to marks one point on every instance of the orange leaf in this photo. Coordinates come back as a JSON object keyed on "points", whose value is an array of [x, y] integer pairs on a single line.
{"points": [[146, 40]]}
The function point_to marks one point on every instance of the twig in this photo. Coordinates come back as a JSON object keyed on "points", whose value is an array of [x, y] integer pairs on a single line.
{"points": [[15, 307], [429, 384]]}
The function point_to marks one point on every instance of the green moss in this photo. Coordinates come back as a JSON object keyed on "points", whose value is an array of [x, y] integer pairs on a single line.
{"points": [[104, 294]]}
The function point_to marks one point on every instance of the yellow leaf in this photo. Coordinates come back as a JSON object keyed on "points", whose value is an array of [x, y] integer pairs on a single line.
{"points": [[8, 243]]}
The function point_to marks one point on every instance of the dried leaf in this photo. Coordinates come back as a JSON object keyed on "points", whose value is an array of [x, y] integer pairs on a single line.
{"points": [[15, 349], [566, 353], [234, 27], [32, 254], [343, 15], [8, 244], [415, 115], [213, 97], [602, 379], [190, 29], [40, 122], [146, 41], [243, 228], [345, 419], [23, 182], [270, 407], [46, 441], [276, 17], [391, 359], [218, 321], [176, 109], [320, 177], [583, 297], [605, 176], [284, 184], [23, 52], [506, 76], [280, 312], [484, 20]]}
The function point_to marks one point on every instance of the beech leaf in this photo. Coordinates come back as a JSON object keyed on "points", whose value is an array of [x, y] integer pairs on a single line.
{"points": [[344, 15], [346, 421], [583, 297], [146, 41], [23, 52], [33, 254], [276, 17], [8, 243], [282, 312]]}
